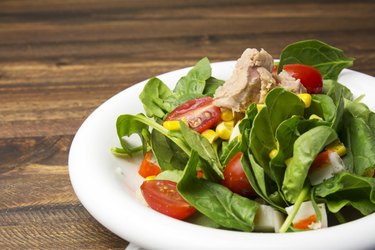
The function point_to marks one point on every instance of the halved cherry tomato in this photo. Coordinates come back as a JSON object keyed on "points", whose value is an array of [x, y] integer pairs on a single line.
{"points": [[310, 77], [162, 196], [235, 178], [199, 113], [148, 168]]}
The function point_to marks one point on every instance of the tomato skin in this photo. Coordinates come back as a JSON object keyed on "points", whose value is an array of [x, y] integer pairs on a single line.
{"points": [[310, 77], [162, 196], [200, 113], [235, 178], [148, 168]]}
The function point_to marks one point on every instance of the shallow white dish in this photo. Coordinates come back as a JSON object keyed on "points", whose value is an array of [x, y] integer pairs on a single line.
{"points": [[106, 186]]}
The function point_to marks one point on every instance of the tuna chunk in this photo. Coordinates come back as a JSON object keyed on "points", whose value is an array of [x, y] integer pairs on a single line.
{"points": [[288, 82], [250, 81]]}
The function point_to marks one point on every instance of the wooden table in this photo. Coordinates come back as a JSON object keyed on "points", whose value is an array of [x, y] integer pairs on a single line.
{"points": [[59, 60]]}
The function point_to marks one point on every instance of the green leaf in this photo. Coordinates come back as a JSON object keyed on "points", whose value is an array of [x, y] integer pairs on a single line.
{"points": [[171, 175], [195, 80], [168, 155], [204, 148], [359, 138], [153, 97], [330, 61], [211, 85], [322, 106], [348, 189], [305, 150], [126, 126], [216, 201], [138, 124]]}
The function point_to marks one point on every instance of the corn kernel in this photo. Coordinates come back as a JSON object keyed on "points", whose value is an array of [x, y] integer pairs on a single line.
{"points": [[337, 147], [369, 173], [150, 178], [306, 98], [273, 153], [210, 135], [316, 117], [287, 161], [227, 115], [224, 129], [171, 125], [260, 106]]}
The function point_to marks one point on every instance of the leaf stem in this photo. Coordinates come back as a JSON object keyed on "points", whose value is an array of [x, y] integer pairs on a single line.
{"points": [[165, 132], [301, 197]]}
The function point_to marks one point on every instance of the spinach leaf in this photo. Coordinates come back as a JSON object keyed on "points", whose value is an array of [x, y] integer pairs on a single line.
{"points": [[286, 134], [168, 155], [336, 90], [158, 99], [348, 189], [216, 201], [153, 97], [171, 175], [280, 105], [258, 180], [283, 104], [322, 106], [204, 148], [330, 61], [139, 124], [229, 150], [211, 85], [359, 138], [195, 80], [262, 140], [126, 126], [305, 150]]}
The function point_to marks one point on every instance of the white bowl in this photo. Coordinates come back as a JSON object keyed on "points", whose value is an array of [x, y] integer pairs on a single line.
{"points": [[107, 186]]}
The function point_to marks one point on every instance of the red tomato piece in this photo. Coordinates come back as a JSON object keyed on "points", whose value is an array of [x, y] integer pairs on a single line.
{"points": [[310, 77], [162, 196], [305, 223], [199, 113], [321, 160], [235, 178], [148, 168]]}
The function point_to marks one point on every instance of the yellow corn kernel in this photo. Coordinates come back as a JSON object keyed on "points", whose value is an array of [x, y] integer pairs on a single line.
{"points": [[287, 161], [171, 125], [316, 117], [224, 129], [369, 173], [273, 153], [227, 115], [306, 98], [210, 135], [337, 147], [150, 178], [260, 106]]}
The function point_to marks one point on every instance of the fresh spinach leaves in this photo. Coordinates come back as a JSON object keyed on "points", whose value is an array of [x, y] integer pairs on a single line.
{"points": [[330, 61], [216, 201]]}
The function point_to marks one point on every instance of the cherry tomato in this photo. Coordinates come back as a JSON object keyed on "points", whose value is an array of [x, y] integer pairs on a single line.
{"points": [[235, 178], [148, 168], [310, 77], [199, 113], [162, 196]]}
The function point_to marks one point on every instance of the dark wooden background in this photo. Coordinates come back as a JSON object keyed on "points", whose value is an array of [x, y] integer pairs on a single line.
{"points": [[59, 60]]}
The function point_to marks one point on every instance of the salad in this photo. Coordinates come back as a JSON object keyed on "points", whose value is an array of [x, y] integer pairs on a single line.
{"points": [[277, 147]]}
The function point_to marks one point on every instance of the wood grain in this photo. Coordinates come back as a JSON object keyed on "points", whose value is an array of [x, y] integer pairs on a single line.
{"points": [[59, 60]]}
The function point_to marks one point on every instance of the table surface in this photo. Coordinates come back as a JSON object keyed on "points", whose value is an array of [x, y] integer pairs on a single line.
{"points": [[59, 60]]}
